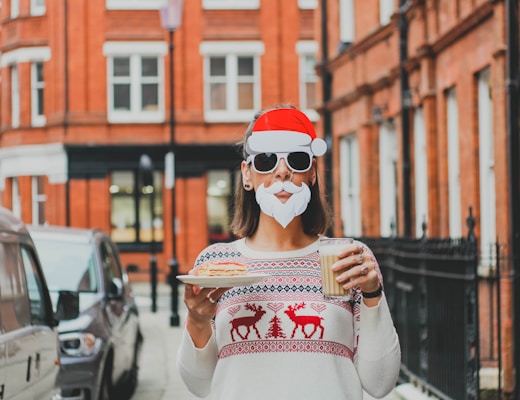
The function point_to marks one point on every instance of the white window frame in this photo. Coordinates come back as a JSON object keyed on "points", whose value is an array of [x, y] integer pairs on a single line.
{"points": [[388, 156], [31, 160], [36, 118], [37, 8], [307, 4], [135, 51], [15, 198], [486, 171], [386, 9], [304, 50], [420, 171], [37, 198], [15, 97], [347, 21], [350, 190], [230, 4], [12, 59], [134, 4], [454, 197], [231, 51], [14, 9]]}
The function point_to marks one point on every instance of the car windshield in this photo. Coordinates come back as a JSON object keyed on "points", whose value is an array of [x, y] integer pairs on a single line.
{"points": [[68, 265]]}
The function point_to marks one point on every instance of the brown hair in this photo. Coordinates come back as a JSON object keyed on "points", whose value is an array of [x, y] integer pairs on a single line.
{"points": [[316, 218]]}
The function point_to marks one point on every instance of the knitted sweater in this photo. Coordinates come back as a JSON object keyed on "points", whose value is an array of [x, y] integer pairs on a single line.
{"points": [[281, 340]]}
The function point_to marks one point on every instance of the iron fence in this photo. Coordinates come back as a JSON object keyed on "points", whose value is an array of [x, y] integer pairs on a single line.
{"points": [[432, 289]]}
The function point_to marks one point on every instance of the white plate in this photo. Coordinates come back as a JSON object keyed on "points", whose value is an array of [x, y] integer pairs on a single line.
{"points": [[222, 281]]}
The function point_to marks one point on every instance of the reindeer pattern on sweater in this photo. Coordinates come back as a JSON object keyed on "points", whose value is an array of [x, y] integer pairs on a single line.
{"points": [[280, 339], [284, 313]]}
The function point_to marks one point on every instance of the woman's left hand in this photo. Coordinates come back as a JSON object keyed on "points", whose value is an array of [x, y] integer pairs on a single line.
{"points": [[357, 266]]}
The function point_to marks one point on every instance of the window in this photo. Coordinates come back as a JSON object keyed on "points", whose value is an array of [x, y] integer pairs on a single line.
{"points": [[350, 186], [386, 9], [452, 118], [133, 4], [38, 200], [15, 8], [486, 170], [37, 86], [346, 22], [231, 80], [34, 288], [219, 203], [110, 261], [15, 199], [230, 4], [14, 305], [131, 212], [308, 79], [37, 7], [56, 255], [308, 4], [135, 82], [12, 59], [15, 97], [421, 171], [388, 178], [46, 162]]}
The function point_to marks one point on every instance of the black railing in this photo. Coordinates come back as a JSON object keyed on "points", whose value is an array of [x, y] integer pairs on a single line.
{"points": [[432, 289]]}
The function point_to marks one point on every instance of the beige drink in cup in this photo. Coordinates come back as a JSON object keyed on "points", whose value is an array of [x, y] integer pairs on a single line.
{"points": [[330, 248]]}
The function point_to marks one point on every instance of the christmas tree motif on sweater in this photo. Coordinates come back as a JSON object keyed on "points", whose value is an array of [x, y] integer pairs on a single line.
{"points": [[248, 322], [304, 320], [275, 327]]}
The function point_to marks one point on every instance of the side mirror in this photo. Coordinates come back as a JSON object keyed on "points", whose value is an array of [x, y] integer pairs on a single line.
{"points": [[115, 289], [68, 305]]}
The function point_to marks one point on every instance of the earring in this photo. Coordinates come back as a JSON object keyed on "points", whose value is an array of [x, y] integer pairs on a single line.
{"points": [[247, 186]]}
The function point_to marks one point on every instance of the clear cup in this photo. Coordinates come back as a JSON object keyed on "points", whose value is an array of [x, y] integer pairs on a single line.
{"points": [[329, 249]]}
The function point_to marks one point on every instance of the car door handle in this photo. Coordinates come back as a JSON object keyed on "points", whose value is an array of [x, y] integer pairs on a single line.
{"points": [[28, 375]]}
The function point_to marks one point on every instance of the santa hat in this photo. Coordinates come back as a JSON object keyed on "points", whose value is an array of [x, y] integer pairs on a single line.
{"points": [[284, 130]]}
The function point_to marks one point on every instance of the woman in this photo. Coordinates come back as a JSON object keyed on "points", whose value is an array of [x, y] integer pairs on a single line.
{"points": [[280, 338]]}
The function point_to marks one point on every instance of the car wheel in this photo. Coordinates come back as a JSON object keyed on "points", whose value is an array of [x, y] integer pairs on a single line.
{"points": [[126, 390], [105, 389]]}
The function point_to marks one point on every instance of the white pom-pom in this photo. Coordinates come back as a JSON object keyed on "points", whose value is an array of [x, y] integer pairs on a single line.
{"points": [[318, 147]]}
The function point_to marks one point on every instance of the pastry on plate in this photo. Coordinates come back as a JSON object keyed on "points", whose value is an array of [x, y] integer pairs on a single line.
{"points": [[221, 268]]}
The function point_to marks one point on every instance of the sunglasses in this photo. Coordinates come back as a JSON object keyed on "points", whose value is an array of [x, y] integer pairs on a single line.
{"points": [[265, 163]]}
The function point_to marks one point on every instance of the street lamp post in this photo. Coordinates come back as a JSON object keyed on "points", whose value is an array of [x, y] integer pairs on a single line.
{"points": [[146, 171], [171, 16]]}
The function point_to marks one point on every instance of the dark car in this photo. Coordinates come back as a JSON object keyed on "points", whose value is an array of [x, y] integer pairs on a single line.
{"points": [[99, 349]]}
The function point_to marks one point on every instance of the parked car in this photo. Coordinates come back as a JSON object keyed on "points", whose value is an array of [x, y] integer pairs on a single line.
{"points": [[29, 348], [99, 349]]}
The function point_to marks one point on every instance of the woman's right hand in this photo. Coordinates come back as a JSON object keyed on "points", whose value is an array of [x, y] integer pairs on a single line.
{"points": [[202, 306]]}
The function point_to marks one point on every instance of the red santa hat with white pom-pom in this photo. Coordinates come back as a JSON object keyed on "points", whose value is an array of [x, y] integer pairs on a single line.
{"points": [[284, 130]]}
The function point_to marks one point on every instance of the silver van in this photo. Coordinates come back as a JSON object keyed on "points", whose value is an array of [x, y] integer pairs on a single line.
{"points": [[29, 347]]}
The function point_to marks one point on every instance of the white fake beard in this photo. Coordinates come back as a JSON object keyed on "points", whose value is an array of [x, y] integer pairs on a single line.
{"points": [[283, 213]]}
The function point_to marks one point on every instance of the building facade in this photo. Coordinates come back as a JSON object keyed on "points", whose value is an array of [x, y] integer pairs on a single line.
{"points": [[412, 98], [86, 94], [415, 104]]}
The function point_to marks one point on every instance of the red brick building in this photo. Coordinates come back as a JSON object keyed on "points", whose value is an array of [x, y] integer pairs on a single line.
{"points": [[416, 109], [85, 93]]}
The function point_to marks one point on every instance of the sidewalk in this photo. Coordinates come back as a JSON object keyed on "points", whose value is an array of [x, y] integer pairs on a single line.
{"points": [[158, 375]]}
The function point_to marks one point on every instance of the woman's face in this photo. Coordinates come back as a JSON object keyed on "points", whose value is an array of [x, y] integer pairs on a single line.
{"points": [[281, 193]]}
